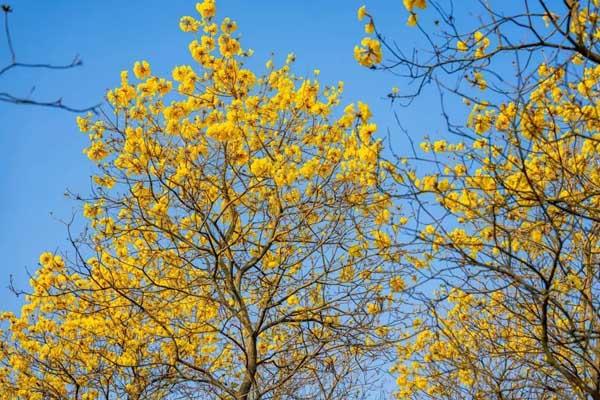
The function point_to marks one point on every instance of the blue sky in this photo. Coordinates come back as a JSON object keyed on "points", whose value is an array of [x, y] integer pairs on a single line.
{"points": [[42, 148]]}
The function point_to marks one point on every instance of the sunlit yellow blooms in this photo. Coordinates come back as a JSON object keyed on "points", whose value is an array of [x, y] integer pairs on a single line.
{"points": [[397, 284], [97, 151], [222, 131], [480, 119], [479, 80], [355, 251], [440, 146], [347, 273], [207, 9], [461, 46], [366, 132], [412, 20], [141, 69], [46, 258], [381, 239], [188, 24], [373, 308], [228, 46], [536, 235], [104, 181], [83, 123], [368, 53], [482, 42], [410, 5], [228, 26], [261, 166], [91, 210], [291, 57], [361, 13], [293, 300]]}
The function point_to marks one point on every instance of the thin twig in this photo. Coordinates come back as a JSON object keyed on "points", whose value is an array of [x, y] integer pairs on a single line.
{"points": [[7, 10], [75, 63], [8, 98]]}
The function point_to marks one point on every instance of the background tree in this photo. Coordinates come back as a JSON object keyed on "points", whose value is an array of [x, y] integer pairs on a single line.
{"points": [[506, 215], [239, 244], [14, 63]]}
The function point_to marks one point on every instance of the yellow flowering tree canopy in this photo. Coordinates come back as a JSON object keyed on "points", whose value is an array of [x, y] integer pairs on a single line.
{"points": [[239, 243], [248, 238], [507, 210]]}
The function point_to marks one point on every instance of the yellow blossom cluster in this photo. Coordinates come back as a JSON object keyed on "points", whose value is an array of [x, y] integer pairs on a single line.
{"points": [[411, 6], [368, 53]]}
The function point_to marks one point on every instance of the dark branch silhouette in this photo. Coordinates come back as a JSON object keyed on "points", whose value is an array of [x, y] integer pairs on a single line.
{"points": [[14, 64]]}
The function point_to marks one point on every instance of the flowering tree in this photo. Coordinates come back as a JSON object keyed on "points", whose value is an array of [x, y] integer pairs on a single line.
{"points": [[507, 213], [239, 243]]}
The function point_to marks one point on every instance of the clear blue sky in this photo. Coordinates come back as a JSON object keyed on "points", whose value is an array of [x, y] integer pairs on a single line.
{"points": [[41, 149]]}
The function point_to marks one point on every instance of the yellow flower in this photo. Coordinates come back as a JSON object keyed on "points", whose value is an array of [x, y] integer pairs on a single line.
{"points": [[228, 26], [188, 24], [83, 123], [91, 210], [368, 53], [479, 80], [228, 46], [382, 240], [373, 308], [536, 235], [141, 70], [347, 273], [412, 20], [397, 284], [104, 181], [361, 13], [46, 258], [293, 300], [261, 167], [207, 9], [439, 146], [410, 5], [96, 151]]}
